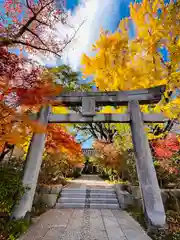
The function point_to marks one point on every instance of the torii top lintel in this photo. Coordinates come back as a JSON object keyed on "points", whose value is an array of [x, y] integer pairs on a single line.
{"points": [[121, 98]]}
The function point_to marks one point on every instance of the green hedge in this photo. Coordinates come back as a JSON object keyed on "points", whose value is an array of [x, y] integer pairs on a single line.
{"points": [[11, 189]]}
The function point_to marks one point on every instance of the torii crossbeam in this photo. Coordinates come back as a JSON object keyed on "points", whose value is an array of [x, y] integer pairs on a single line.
{"points": [[151, 195]]}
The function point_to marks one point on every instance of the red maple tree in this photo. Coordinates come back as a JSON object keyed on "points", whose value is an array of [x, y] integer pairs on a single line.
{"points": [[32, 25], [23, 82], [24, 87], [165, 148], [58, 139], [164, 151]]}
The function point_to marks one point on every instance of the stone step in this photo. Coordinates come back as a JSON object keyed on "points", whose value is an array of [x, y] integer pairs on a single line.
{"points": [[108, 206], [70, 205], [93, 190], [73, 195], [74, 189], [103, 195], [71, 200], [91, 205], [90, 200], [103, 200], [92, 195], [73, 192]]}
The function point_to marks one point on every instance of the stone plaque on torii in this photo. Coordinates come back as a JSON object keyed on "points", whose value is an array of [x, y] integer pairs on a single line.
{"points": [[151, 195]]}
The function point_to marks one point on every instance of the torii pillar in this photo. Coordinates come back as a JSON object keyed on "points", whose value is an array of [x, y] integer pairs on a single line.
{"points": [[32, 168], [151, 194]]}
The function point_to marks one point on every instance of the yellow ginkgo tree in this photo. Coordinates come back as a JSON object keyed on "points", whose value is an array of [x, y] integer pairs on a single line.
{"points": [[124, 63]]}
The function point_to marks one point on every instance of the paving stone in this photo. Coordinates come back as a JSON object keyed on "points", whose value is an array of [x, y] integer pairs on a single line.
{"points": [[49, 238], [119, 213], [95, 213], [97, 224], [59, 221], [98, 235], [35, 232], [86, 224], [129, 223], [71, 235], [122, 238], [114, 233], [132, 234], [77, 213], [74, 223], [126, 221], [110, 222], [112, 227], [55, 232], [107, 212]]}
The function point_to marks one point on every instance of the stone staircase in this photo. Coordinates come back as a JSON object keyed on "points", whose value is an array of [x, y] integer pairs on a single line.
{"points": [[88, 198]]}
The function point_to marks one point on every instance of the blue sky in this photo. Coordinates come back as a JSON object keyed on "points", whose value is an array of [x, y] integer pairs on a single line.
{"points": [[119, 10], [71, 4]]}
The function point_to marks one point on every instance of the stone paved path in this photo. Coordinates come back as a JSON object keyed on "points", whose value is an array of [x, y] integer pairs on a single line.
{"points": [[86, 224], [89, 181]]}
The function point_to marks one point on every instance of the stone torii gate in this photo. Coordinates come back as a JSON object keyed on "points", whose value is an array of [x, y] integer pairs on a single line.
{"points": [[151, 195]]}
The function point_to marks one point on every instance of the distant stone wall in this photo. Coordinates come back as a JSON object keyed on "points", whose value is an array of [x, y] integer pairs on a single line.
{"points": [[89, 151]]}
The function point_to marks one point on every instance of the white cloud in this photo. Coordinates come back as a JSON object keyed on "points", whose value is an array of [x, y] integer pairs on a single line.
{"points": [[87, 11], [95, 14]]}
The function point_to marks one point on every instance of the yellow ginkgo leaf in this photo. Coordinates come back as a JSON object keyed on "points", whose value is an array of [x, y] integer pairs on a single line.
{"points": [[60, 110]]}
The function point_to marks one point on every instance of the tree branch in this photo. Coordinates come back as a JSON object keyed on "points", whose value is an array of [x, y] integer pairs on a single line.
{"points": [[35, 47], [73, 36], [24, 27], [27, 2], [33, 33], [101, 130], [92, 131], [43, 23], [85, 140]]}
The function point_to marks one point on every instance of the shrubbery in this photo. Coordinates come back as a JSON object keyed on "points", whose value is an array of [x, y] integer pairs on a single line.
{"points": [[168, 171], [55, 168], [11, 189]]}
